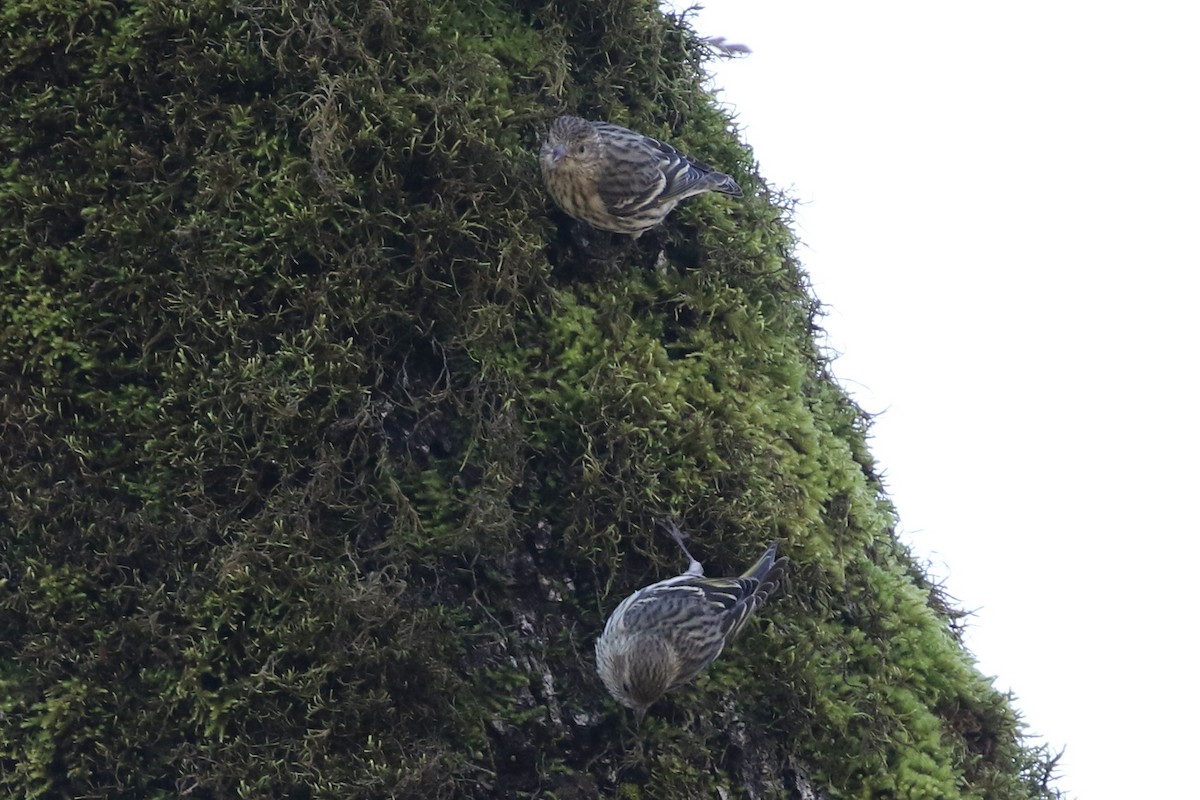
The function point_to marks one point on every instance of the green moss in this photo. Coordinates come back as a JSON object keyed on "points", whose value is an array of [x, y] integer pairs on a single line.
{"points": [[327, 448]]}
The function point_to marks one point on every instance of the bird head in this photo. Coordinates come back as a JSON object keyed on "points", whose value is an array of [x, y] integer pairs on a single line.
{"points": [[637, 670], [571, 143]]}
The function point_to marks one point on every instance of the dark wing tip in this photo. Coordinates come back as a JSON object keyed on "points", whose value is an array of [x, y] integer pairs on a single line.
{"points": [[767, 572], [727, 185], [771, 581]]}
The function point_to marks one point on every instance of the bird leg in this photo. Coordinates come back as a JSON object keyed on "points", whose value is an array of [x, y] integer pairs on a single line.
{"points": [[694, 566], [580, 234]]}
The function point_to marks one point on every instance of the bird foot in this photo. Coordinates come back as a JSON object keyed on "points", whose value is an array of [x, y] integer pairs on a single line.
{"points": [[694, 566], [579, 234]]}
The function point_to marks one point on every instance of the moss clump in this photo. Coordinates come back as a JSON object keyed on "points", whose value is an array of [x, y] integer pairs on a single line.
{"points": [[326, 449]]}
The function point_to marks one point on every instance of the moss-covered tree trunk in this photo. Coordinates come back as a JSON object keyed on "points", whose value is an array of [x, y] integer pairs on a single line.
{"points": [[326, 449]]}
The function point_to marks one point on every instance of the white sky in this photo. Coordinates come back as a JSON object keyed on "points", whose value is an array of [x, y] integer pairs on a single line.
{"points": [[1002, 203]]}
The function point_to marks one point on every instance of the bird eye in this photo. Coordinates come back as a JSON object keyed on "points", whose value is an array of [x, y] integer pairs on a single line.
{"points": [[580, 149]]}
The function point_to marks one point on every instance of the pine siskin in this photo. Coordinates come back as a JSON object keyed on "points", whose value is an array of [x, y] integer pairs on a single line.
{"points": [[664, 635], [617, 180]]}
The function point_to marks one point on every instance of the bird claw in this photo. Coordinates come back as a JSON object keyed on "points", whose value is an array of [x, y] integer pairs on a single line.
{"points": [[579, 233], [668, 523]]}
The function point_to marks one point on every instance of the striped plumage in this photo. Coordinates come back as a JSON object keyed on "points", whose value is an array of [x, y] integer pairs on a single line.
{"points": [[664, 635], [618, 180]]}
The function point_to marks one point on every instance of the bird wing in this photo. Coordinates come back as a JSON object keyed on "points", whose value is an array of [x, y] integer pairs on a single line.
{"points": [[682, 174], [687, 595], [733, 598], [696, 616], [642, 172], [632, 178]]}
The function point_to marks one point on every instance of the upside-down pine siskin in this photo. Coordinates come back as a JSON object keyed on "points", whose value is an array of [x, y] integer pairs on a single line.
{"points": [[618, 180], [664, 635]]}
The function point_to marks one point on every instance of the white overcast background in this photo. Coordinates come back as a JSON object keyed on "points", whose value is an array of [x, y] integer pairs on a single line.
{"points": [[1000, 213]]}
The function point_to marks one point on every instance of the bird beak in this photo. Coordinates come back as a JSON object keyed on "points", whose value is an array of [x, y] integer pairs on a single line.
{"points": [[558, 154]]}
